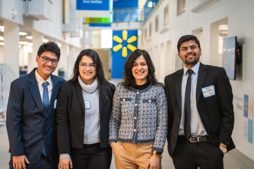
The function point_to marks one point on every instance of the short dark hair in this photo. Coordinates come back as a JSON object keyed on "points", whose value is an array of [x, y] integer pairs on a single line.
{"points": [[51, 47], [129, 80], [185, 38]]}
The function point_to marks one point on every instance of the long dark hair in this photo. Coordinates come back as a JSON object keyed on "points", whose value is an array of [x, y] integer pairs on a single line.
{"points": [[99, 71], [129, 80]]}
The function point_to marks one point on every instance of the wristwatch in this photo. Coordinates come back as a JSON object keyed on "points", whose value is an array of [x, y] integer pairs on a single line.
{"points": [[157, 153]]}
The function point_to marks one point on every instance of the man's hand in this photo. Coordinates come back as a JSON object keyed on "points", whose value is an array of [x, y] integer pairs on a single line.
{"points": [[65, 163], [223, 148], [19, 162], [155, 162]]}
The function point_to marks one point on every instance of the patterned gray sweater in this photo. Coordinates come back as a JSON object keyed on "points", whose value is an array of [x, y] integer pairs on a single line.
{"points": [[139, 116]]}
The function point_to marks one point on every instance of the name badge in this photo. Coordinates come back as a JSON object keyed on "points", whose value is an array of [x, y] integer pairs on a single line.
{"points": [[55, 102], [208, 91], [87, 105]]}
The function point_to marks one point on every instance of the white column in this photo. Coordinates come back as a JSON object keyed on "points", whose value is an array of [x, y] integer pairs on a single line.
{"points": [[11, 49], [71, 58], [63, 62], [37, 41]]}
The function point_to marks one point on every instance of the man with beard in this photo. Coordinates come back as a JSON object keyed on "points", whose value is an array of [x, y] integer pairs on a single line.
{"points": [[200, 111]]}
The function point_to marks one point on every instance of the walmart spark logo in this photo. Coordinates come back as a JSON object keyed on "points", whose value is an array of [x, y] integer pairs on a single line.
{"points": [[124, 43]]}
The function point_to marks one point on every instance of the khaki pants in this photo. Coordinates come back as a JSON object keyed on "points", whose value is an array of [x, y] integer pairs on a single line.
{"points": [[132, 156]]}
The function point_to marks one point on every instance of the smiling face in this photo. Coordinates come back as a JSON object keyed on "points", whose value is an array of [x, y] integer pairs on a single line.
{"points": [[46, 64], [87, 69], [140, 70], [189, 53]]}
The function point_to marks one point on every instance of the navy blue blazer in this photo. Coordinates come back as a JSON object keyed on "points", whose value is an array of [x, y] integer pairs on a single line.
{"points": [[216, 112], [28, 126]]}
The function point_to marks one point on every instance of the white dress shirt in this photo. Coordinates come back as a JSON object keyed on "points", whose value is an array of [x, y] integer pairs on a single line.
{"points": [[40, 80], [197, 127]]}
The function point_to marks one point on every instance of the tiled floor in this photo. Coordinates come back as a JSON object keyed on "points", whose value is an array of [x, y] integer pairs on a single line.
{"points": [[231, 161]]}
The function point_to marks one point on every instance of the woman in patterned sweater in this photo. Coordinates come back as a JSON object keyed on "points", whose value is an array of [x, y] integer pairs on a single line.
{"points": [[138, 124]]}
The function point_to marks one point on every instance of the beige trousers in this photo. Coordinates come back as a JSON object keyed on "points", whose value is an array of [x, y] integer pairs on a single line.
{"points": [[132, 156]]}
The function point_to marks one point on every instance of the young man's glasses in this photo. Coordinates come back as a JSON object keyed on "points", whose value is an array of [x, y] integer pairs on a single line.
{"points": [[47, 59]]}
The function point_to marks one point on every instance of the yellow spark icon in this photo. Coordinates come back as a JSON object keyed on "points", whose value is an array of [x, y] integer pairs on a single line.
{"points": [[120, 46]]}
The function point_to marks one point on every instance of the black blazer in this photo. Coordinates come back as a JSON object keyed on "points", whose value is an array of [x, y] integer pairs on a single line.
{"points": [[216, 112], [70, 116], [28, 126]]}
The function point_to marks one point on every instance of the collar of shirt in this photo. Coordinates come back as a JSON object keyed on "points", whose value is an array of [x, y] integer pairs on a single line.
{"points": [[195, 69], [40, 80]]}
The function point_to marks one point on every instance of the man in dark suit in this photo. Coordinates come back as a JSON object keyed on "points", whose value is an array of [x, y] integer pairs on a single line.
{"points": [[201, 116], [31, 113]]}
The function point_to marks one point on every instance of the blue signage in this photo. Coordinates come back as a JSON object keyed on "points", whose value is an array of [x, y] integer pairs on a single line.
{"points": [[98, 5], [124, 42], [125, 11]]}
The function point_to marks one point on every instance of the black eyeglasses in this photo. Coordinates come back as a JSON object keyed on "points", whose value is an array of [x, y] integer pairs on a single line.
{"points": [[47, 59]]}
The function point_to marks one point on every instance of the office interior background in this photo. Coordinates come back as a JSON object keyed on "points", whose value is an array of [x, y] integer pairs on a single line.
{"points": [[114, 28]]}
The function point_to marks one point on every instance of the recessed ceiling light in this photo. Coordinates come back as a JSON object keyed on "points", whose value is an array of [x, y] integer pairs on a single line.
{"points": [[1, 28], [223, 27], [45, 40], [29, 37], [23, 42], [22, 33]]}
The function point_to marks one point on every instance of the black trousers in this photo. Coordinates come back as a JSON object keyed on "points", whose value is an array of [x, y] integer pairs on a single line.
{"points": [[91, 157], [193, 155]]}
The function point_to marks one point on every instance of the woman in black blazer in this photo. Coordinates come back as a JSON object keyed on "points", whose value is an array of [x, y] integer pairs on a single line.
{"points": [[83, 112]]}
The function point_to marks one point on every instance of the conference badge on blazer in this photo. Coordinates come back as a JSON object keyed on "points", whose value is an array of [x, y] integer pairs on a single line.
{"points": [[87, 105], [55, 102], [208, 91]]}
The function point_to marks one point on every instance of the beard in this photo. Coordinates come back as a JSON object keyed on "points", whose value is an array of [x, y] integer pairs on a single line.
{"points": [[193, 61]]}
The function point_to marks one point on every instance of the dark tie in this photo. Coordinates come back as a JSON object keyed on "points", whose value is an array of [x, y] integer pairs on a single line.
{"points": [[45, 95], [45, 100], [187, 107]]}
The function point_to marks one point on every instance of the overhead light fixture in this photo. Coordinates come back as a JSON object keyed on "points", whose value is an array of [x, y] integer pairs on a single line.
{"points": [[1, 28], [1, 43], [223, 27], [44, 40], [23, 42], [29, 37], [150, 4], [1, 38], [59, 44], [223, 30], [22, 33]]}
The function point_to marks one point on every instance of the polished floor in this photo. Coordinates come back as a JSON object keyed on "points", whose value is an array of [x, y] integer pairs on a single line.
{"points": [[232, 160]]}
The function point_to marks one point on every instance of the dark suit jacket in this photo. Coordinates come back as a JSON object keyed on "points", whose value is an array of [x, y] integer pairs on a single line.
{"points": [[70, 116], [216, 112], [28, 126]]}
